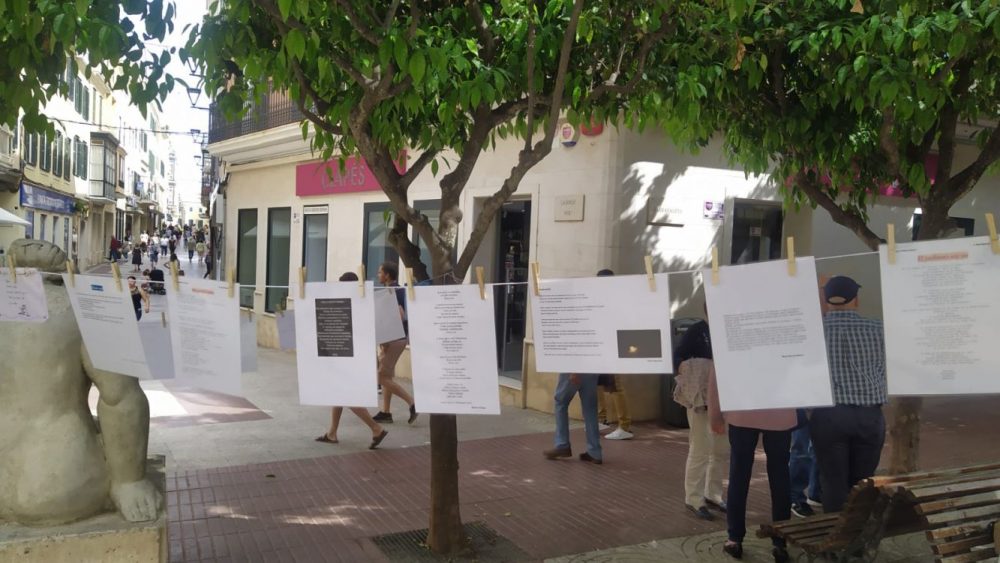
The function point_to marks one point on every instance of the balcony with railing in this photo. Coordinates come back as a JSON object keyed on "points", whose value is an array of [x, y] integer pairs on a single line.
{"points": [[273, 110]]}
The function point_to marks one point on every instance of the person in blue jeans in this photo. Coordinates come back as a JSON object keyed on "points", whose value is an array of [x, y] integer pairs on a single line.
{"points": [[804, 473], [569, 385]]}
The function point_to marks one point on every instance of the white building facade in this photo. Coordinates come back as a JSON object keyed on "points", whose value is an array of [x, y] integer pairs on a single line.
{"points": [[606, 201]]}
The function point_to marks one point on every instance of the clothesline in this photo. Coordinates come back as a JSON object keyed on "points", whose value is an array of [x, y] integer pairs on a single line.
{"points": [[448, 274]]}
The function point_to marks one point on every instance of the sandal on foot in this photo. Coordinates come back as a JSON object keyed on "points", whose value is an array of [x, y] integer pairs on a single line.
{"points": [[378, 439], [326, 439]]}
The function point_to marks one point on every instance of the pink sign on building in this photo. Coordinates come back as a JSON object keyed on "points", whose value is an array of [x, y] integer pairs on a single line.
{"points": [[325, 178]]}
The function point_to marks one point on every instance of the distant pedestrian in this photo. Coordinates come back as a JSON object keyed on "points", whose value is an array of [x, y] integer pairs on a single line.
{"points": [[154, 255], [746, 428], [199, 247], [708, 454], [164, 243], [848, 436], [378, 432], [139, 298], [136, 258], [115, 249], [189, 241], [389, 352], [208, 265]]}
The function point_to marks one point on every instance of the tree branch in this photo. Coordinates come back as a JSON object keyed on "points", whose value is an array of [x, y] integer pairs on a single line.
{"points": [[363, 30], [886, 142], [531, 78], [962, 182], [390, 15], [527, 158], [418, 166], [609, 87], [852, 221], [489, 42]]}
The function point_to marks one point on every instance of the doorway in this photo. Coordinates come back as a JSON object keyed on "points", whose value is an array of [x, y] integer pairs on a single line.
{"points": [[513, 234], [756, 231]]}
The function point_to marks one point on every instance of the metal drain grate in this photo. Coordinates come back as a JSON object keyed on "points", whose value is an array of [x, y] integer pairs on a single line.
{"points": [[484, 545]]}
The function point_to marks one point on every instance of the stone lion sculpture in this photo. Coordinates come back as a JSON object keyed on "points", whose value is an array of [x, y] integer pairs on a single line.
{"points": [[55, 465]]}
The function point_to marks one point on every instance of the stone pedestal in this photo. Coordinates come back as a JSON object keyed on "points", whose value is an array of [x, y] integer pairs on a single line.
{"points": [[106, 538]]}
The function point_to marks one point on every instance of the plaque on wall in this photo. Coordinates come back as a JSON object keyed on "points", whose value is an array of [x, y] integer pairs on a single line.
{"points": [[569, 207]]}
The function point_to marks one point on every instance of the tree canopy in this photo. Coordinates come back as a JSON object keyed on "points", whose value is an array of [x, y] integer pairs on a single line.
{"points": [[39, 37], [838, 99], [441, 79], [444, 80], [842, 97]]}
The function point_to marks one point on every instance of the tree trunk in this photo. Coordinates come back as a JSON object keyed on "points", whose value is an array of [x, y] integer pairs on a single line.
{"points": [[904, 434], [445, 536], [904, 426]]}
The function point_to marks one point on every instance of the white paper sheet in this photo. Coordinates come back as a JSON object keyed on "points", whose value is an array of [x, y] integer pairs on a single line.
{"points": [[158, 346], [453, 350], [107, 323], [941, 303], [23, 299], [767, 336], [388, 323], [204, 327], [612, 324], [335, 345]]}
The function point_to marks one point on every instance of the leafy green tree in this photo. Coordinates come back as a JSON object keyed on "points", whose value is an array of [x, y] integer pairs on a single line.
{"points": [[437, 78], [840, 98], [39, 37]]}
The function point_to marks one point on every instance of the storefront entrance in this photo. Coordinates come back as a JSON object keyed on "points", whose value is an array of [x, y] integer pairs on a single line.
{"points": [[513, 232], [756, 231]]}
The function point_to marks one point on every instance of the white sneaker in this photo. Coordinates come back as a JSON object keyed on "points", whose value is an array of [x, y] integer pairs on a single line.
{"points": [[601, 426], [620, 435]]}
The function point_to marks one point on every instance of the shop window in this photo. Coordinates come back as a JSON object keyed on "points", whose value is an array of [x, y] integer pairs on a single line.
{"points": [[279, 229], [46, 148], [246, 255], [31, 149], [57, 156], [67, 157], [315, 231], [376, 247], [42, 219]]}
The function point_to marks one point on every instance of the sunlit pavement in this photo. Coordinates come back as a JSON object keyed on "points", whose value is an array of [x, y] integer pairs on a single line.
{"points": [[247, 482]]}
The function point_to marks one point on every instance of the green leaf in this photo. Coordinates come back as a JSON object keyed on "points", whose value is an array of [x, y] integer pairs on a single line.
{"points": [[81, 8], [285, 7], [418, 66], [295, 42], [434, 167], [399, 52]]}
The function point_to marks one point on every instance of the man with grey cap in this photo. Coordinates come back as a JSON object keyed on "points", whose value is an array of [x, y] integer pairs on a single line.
{"points": [[848, 436]]}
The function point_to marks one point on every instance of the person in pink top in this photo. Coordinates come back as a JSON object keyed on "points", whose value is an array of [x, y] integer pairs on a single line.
{"points": [[745, 428]]}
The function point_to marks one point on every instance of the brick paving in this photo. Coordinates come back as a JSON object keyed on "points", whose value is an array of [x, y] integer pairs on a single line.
{"points": [[325, 509]]}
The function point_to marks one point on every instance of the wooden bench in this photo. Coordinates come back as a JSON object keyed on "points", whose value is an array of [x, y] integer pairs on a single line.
{"points": [[955, 508]]}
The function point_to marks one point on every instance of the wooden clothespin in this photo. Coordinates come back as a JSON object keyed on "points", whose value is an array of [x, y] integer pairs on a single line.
{"points": [[481, 280], [715, 265], [890, 240], [409, 284], [791, 256], [991, 224], [12, 266], [361, 280], [536, 278], [231, 282], [117, 273], [174, 273], [163, 318], [302, 282], [649, 273], [71, 273]]}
